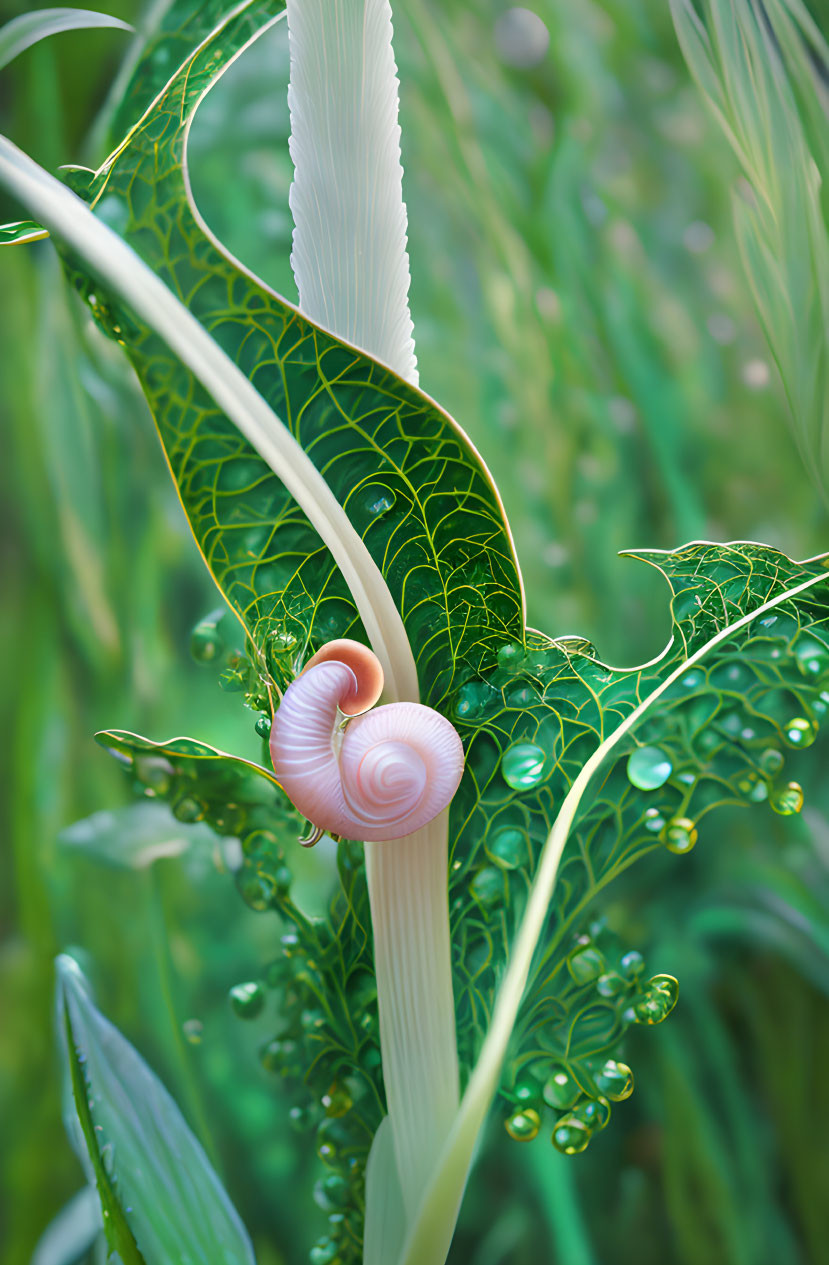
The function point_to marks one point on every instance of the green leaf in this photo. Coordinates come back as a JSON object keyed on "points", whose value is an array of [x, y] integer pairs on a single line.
{"points": [[226, 796], [410, 482], [751, 641], [23, 31], [724, 733], [161, 1199], [21, 233], [171, 30], [119, 1235], [106, 256], [157, 765]]}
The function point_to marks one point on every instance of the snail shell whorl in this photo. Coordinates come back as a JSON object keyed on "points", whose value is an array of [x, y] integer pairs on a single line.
{"points": [[396, 768]]}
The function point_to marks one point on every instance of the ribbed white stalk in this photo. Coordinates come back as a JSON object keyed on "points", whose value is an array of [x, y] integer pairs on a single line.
{"points": [[349, 256], [352, 272], [408, 890]]}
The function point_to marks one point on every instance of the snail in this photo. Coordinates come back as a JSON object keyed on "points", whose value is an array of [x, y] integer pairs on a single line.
{"points": [[390, 771]]}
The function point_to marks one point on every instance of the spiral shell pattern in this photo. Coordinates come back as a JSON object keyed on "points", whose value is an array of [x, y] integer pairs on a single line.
{"points": [[391, 771]]}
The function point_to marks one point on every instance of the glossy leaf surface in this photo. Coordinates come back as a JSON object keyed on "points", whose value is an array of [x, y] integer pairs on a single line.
{"points": [[724, 733]]}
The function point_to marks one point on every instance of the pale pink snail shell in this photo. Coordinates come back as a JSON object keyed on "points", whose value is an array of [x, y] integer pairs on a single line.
{"points": [[391, 771]]}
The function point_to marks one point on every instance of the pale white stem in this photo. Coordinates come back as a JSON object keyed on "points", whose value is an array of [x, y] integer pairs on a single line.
{"points": [[352, 272], [408, 890], [349, 256]]}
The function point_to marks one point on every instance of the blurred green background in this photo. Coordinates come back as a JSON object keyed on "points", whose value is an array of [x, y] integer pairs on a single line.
{"points": [[580, 308]]}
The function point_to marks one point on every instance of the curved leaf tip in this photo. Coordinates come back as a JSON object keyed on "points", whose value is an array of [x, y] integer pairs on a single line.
{"points": [[29, 28]]}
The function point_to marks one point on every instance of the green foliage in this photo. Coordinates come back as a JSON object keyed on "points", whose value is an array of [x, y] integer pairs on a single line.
{"points": [[118, 1233], [156, 1185], [719, 738], [405, 474], [530, 709], [21, 232], [19, 34], [763, 72], [485, 246], [327, 1048]]}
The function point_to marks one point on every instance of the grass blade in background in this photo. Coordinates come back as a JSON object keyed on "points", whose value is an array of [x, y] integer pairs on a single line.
{"points": [[19, 34], [72, 1232], [161, 1199], [765, 90]]}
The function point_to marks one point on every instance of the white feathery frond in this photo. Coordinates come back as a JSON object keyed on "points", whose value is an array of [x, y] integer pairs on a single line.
{"points": [[349, 250]]}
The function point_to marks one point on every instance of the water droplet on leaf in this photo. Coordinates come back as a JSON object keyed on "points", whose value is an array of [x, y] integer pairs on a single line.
{"points": [[585, 963], [632, 964], [561, 1090], [337, 1102], [800, 732], [511, 655], [206, 643], [487, 886], [255, 887], [649, 768], [731, 676], [247, 999], [787, 799], [680, 835], [571, 1135], [526, 1092], [263, 727], [188, 808], [193, 1030], [471, 700], [615, 1080], [324, 1252], [508, 848], [522, 765], [812, 655], [595, 1113], [377, 500], [331, 1192], [611, 984], [155, 773], [657, 1001], [523, 1125]]}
